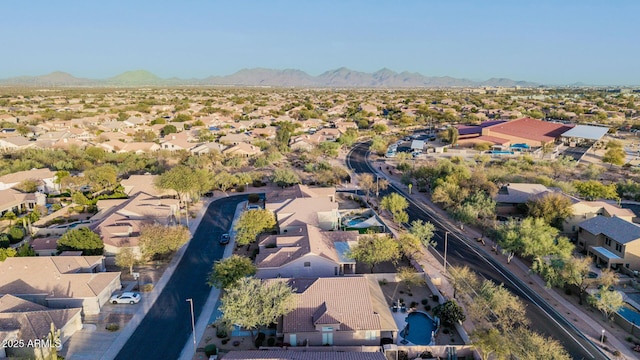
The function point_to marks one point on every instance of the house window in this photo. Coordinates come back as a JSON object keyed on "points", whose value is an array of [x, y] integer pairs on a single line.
{"points": [[293, 339], [607, 241], [618, 247], [626, 265], [307, 264], [370, 335], [573, 228]]}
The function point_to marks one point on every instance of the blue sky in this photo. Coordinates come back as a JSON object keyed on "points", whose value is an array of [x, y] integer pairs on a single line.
{"points": [[551, 42]]}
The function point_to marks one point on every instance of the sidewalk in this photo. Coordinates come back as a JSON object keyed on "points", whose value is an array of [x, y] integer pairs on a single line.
{"points": [[590, 324]]}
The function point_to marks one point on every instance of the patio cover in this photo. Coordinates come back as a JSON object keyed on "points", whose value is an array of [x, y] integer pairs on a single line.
{"points": [[606, 254]]}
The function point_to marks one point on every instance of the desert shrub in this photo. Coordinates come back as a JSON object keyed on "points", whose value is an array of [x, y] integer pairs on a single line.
{"points": [[16, 234], [271, 341], [221, 333], [253, 198], [112, 327], [147, 287], [424, 301], [427, 307], [224, 341], [435, 298], [210, 349], [413, 304], [4, 241], [260, 340]]}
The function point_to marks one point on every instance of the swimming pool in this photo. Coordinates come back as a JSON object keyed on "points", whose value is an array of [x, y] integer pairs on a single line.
{"points": [[629, 313], [419, 328], [355, 221]]}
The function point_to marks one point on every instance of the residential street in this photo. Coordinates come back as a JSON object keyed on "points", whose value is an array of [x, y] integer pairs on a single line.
{"points": [[167, 326]]}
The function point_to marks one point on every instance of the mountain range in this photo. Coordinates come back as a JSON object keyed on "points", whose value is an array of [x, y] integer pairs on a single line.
{"points": [[338, 78]]}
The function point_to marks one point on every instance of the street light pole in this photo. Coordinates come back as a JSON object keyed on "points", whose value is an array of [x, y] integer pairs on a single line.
{"points": [[446, 233], [193, 323], [602, 338], [377, 186]]}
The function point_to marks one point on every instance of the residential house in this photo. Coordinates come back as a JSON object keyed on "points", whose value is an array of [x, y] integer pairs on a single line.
{"points": [[338, 311], [19, 203], [16, 143], [317, 211], [130, 147], [206, 148], [304, 250], [268, 132], [118, 222], [235, 139], [145, 183], [512, 197], [60, 282], [68, 143], [176, 142], [45, 246], [243, 150], [44, 177], [583, 210], [25, 320], [612, 241]]}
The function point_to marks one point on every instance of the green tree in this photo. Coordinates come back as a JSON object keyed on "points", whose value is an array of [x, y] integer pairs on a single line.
{"points": [[423, 231], [614, 156], [552, 207], [593, 189], [462, 279], [285, 177], [410, 277], [228, 271], [283, 135], [253, 304], [251, 223], [25, 250], [329, 148], [489, 342], [348, 138], [450, 313], [223, 181], [410, 245], [525, 344], [366, 183], [27, 186], [83, 240], [182, 179], [379, 128], [102, 177], [373, 249], [10, 216], [397, 205], [168, 129], [497, 303], [379, 145], [127, 259], [7, 252], [608, 302], [159, 240]]}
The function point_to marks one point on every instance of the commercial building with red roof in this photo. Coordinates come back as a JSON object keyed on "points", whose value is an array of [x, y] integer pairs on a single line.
{"points": [[527, 131]]}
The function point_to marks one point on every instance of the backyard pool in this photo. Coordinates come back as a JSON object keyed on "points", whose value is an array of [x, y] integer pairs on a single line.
{"points": [[355, 221], [419, 329], [629, 313]]}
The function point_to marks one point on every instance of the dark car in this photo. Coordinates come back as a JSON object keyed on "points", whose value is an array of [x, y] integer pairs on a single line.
{"points": [[224, 239]]}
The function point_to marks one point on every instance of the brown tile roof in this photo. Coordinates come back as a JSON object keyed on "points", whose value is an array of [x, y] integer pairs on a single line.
{"points": [[32, 320], [35, 174], [527, 128], [344, 299], [47, 243], [301, 209], [56, 276], [308, 239], [302, 355]]}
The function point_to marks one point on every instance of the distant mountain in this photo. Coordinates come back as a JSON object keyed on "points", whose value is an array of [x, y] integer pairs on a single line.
{"points": [[338, 78]]}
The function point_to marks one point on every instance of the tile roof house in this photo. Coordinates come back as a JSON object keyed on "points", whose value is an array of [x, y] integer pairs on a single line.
{"points": [[23, 320], [45, 246], [44, 177], [324, 316], [235, 139], [243, 150], [612, 241], [179, 141], [583, 210], [206, 148], [291, 354], [317, 211], [16, 143], [511, 195], [304, 250], [14, 200], [145, 183], [59, 282], [118, 222]]}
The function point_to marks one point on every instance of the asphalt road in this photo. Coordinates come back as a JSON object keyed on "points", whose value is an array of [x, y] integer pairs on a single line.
{"points": [[167, 326], [543, 318]]}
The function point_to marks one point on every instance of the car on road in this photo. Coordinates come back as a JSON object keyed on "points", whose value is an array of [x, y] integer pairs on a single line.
{"points": [[224, 239], [125, 298]]}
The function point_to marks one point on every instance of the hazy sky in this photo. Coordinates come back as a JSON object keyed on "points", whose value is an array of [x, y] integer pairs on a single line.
{"points": [[551, 42]]}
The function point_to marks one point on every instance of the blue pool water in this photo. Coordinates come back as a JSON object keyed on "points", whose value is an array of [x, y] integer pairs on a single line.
{"points": [[419, 328], [630, 314], [355, 221]]}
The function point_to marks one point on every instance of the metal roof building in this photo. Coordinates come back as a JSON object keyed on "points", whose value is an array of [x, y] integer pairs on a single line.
{"points": [[587, 132]]}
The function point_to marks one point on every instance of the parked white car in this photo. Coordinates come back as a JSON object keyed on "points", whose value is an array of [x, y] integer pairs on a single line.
{"points": [[125, 298]]}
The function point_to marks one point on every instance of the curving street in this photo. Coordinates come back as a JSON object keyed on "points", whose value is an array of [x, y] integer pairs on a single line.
{"points": [[461, 251], [167, 326]]}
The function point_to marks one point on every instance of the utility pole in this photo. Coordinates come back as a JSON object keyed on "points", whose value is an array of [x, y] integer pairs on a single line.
{"points": [[446, 233], [193, 324], [377, 186]]}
